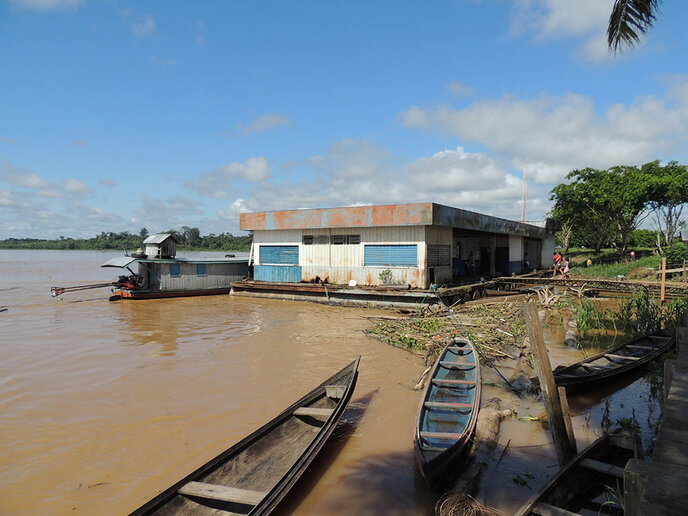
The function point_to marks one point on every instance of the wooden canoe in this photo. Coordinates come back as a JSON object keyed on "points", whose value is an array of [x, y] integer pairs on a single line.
{"points": [[253, 476], [590, 481], [448, 409], [614, 362]]}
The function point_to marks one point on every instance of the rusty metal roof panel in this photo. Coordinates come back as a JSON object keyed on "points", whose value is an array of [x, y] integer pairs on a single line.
{"points": [[419, 214], [349, 217]]}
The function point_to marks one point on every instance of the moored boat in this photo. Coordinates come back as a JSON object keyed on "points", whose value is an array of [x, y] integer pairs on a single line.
{"points": [[161, 274], [253, 475], [615, 361], [448, 409], [591, 482]]}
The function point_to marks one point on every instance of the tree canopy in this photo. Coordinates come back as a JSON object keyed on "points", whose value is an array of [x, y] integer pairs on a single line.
{"points": [[604, 207]]}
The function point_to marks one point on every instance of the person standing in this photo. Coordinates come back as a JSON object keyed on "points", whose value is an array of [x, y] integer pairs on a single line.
{"points": [[556, 259], [565, 271]]}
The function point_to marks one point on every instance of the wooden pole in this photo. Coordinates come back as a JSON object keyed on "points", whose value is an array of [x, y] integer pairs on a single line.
{"points": [[567, 417], [564, 445], [684, 271], [661, 297]]}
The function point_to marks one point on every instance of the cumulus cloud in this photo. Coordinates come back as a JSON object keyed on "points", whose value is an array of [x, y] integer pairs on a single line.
{"points": [[218, 183], [360, 172], [46, 5], [585, 20], [11, 141], [75, 186], [143, 26], [551, 135], [166, 213], [265, 122]]}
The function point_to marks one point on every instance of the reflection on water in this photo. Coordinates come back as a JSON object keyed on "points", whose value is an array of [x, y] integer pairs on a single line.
{"points": [[103, 404]]}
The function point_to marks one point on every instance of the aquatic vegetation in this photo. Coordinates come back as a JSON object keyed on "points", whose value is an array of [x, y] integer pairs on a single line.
{"points": [[645, 314]]}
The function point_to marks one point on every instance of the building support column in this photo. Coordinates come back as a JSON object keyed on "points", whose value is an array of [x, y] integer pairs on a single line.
{"points": [[493, 253], [515, 254]]}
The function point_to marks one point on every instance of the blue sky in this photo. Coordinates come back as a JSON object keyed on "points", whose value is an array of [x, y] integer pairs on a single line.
{"points": [[115, 115]]}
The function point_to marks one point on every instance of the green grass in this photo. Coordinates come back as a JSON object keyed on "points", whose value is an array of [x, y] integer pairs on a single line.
{"points": [[613, 270]]}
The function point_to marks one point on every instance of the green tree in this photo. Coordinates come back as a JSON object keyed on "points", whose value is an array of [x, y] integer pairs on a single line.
{"points": [[668, 193], [603, 206], [144, 233], [629, 20]]}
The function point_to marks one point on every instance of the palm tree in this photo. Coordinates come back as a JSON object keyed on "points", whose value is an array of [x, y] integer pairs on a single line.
{"points": [[629, 20]]}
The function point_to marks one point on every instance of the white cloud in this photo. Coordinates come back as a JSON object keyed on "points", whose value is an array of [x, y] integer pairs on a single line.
{"points": [[584, 20], [75, 186], [265, 122], [551, 135], [218, 183], [143, 26], [46, 5], [459, 90]]}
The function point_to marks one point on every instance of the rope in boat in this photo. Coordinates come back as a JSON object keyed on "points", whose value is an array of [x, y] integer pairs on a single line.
{"points": [[475, 344]]}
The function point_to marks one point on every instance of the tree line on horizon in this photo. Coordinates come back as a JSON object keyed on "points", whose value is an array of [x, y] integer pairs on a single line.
{"points": [[189, 239]]}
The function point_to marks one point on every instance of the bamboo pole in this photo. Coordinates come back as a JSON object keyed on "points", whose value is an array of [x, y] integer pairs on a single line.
{"points": [[563, 440], [661, 296]]}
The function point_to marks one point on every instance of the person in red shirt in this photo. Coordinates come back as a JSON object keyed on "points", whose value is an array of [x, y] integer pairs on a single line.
{"points": [[556, 259]]}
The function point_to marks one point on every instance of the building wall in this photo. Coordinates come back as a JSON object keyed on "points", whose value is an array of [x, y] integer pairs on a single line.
{"points": [[340, 264], [546, 252], [218, 275]]}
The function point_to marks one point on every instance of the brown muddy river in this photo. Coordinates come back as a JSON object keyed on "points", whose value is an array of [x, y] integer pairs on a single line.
{"points": [[102, 404]]}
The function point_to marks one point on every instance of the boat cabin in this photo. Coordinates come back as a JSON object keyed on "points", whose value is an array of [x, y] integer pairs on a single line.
{"points": [[161, 245]]}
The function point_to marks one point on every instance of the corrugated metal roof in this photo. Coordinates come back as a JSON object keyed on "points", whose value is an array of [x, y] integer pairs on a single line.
{"points": [[159, 238], [420, 214], [120, 261]]}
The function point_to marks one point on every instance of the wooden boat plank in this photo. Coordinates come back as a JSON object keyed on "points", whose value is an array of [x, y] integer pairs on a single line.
{"points": [[447, 405], [621, 357], [453, 382], [545, 509], [223, 493], [638, 346], [603, 467], [440, 435], [313, 411], [453, 364]]}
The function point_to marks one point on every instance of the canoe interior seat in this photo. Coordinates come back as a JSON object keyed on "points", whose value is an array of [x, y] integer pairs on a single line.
{"points": [[457, 365], [612, 356], [335, 391], [222, 493], [638, 346], [440, 435], [313, 411], [447, 406], [452, 382], [545, 509], [603, 467]]}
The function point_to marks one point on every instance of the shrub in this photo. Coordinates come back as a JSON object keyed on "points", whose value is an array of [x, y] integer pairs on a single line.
{"points": [[676, 253]]}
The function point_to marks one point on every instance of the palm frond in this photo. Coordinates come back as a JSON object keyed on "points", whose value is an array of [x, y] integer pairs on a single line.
{"points": [[629, 20]]}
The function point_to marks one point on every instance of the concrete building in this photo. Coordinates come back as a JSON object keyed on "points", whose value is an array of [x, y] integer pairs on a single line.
{"points": [[415, 244]]}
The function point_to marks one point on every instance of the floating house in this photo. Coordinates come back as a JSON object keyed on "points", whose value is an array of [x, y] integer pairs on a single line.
{"points": [[162, 274], [413, 244]]}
